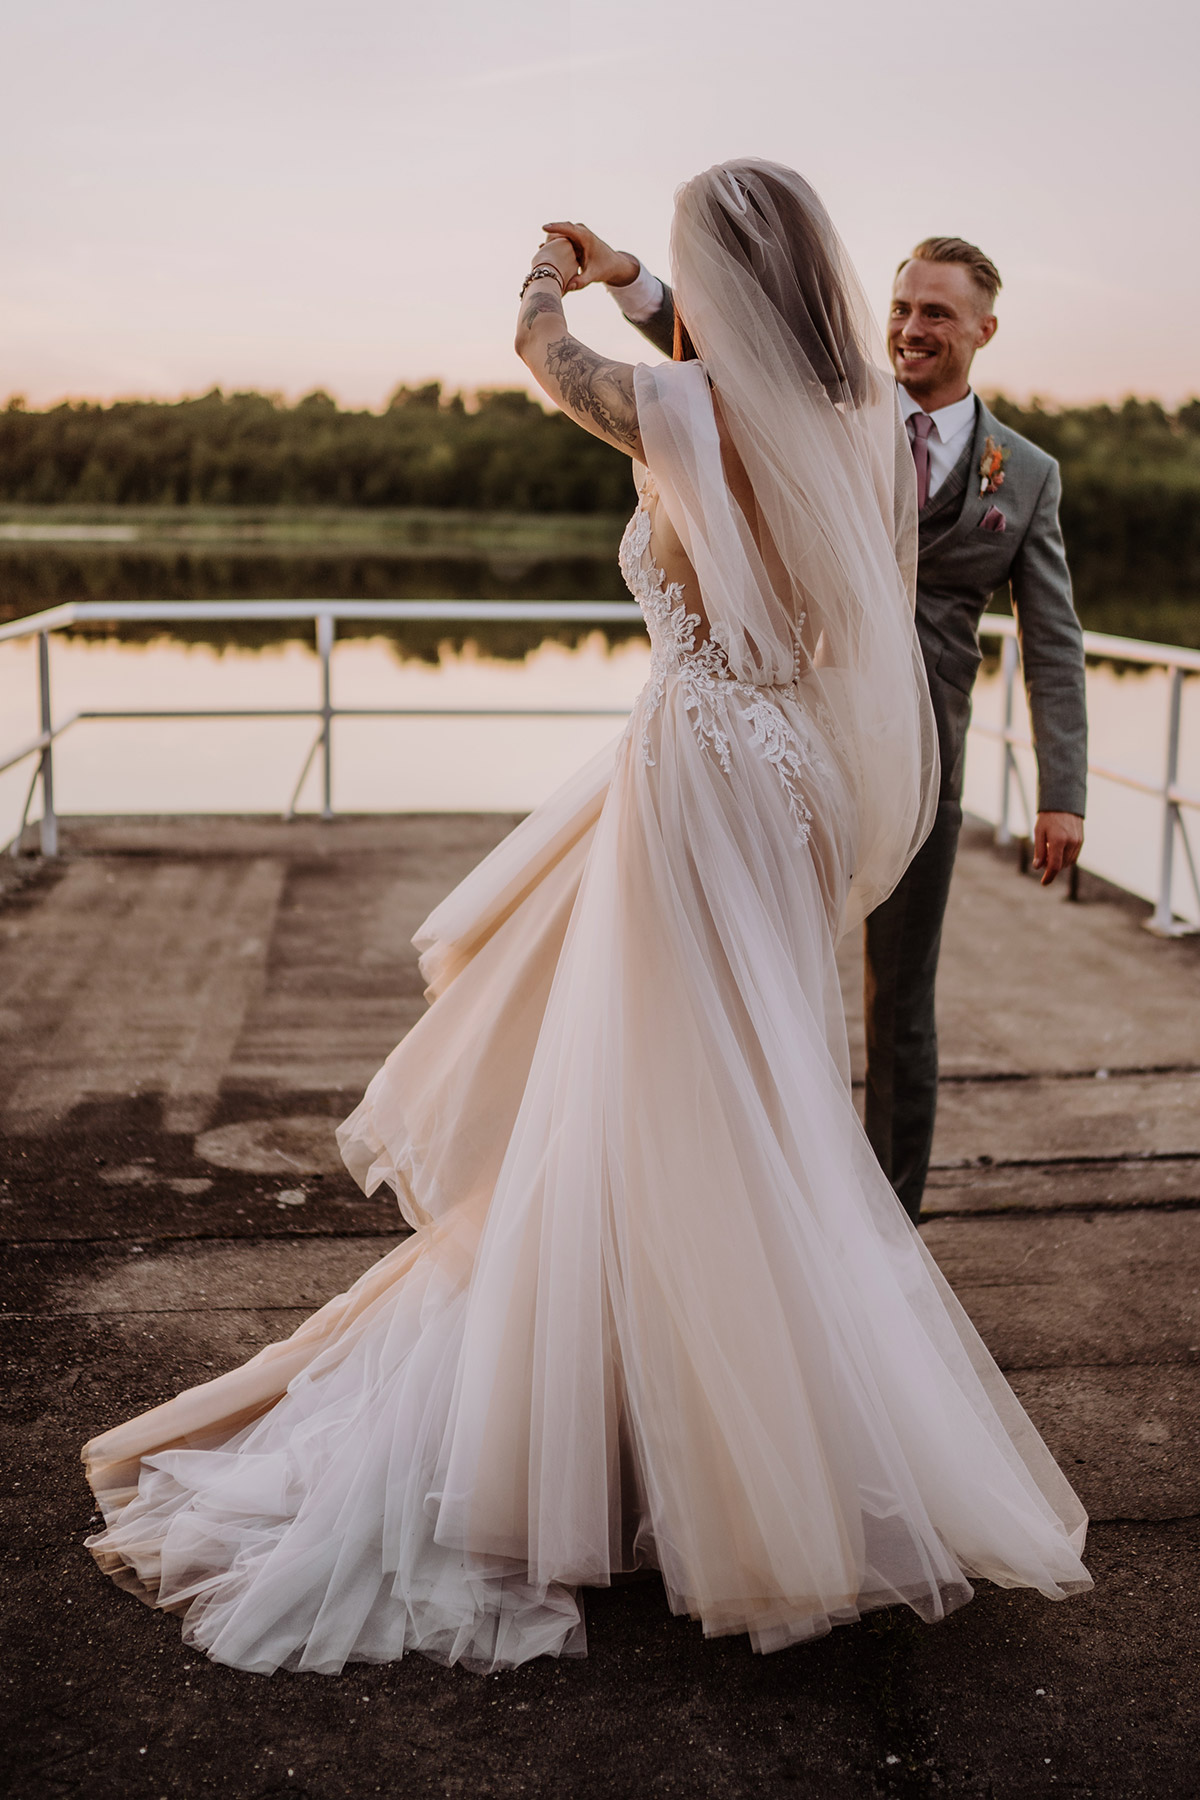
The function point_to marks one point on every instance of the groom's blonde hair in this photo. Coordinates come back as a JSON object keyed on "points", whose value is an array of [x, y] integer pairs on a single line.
{"points": [[981, 268]]}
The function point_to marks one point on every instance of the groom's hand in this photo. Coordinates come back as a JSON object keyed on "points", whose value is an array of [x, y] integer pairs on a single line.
{"points": [[597, 260], [1057, 841]]}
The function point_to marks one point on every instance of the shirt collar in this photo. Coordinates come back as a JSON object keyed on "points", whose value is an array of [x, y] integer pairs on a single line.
{"points": [[948, 419]]}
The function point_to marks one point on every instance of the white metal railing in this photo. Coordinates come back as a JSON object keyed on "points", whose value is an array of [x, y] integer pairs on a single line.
{"points": [[1172, 798], [325, 613]]}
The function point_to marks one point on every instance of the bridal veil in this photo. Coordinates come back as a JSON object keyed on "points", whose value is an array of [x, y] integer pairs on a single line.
{"points": [[782, 462]]}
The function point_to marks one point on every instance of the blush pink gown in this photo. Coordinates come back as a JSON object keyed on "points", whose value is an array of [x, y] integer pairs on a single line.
{"points": [[659, 1306]]}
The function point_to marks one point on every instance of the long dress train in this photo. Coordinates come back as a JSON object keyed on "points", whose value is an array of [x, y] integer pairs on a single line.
{"points": [[659, 1306]]}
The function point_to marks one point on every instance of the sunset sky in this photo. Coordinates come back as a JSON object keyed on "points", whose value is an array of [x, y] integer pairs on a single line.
{"points": [[283, 195]]}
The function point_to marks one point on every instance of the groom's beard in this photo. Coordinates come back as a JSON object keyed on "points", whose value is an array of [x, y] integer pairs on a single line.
{"points": [[919, 386]]}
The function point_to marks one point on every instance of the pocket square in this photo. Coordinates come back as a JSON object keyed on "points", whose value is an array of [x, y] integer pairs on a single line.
{"points": [[993, 520]]}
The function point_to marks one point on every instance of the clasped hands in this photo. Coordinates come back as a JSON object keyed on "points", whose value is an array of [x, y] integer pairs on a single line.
{"points": [[584, 258]]}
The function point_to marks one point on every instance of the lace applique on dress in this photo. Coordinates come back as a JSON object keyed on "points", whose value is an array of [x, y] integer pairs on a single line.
{"points": [[707, 682]]}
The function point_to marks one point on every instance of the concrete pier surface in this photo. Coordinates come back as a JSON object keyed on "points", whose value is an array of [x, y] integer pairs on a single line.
{"points": [[188, 1007]]}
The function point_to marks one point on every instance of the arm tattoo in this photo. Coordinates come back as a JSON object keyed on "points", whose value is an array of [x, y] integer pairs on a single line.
{"points": [[598, 389], [539, 303]]}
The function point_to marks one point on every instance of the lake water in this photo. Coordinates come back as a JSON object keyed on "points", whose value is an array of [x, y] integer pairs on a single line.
{"points": [[455, 764]]}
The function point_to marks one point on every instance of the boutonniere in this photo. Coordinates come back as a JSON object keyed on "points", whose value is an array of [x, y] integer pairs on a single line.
{"points": [[991, 467]]}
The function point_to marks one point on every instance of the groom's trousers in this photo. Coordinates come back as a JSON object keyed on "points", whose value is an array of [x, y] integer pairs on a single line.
{"points": [[903, 937]]}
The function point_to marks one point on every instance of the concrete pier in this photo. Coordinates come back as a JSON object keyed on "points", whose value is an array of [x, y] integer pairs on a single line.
{"points": [[188, 1007]]}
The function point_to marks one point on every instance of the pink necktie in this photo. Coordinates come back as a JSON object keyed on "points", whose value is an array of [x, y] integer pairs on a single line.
{"points": [[922, 425]]}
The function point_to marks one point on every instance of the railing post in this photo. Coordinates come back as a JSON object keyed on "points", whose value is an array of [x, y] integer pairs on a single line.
{"points": [[49, 834], [1008, 666], [324, 651], [1163, 922]]}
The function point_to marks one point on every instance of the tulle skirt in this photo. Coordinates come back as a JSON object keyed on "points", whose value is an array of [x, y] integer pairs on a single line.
{"points": [[659, 1307]]}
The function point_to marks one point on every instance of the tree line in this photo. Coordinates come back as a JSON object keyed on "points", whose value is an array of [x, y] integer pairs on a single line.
{"points": [[500, 453], [1131, 499], [1131, 473]]}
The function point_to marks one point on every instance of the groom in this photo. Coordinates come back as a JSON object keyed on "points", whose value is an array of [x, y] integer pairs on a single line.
{"points": [[988, 518]]}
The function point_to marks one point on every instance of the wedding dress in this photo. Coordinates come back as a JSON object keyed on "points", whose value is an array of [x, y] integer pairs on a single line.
{"points": [[659, 1307]]}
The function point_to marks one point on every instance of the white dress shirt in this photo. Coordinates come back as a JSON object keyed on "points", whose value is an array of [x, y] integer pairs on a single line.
{"points": [[952, 426], [641, 298]]}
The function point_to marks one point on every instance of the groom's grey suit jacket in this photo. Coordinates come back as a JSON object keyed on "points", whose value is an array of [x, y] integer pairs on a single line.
{"points": [[960, 564]]}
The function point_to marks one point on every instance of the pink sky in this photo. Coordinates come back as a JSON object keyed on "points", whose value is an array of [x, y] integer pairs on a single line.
{"points": [[281, 195]]}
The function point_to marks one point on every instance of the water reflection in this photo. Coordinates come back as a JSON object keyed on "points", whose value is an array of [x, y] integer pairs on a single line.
{"points": [[451, 764], [34, 578], [475, 764], [380, 765], [418, 559]]}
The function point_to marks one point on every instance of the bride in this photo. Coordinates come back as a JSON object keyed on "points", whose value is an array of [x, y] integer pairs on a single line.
{"points": [[659, 1307]]}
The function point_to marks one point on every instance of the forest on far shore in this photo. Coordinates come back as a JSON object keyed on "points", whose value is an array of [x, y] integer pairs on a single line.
{"points": [[1131, 473]]}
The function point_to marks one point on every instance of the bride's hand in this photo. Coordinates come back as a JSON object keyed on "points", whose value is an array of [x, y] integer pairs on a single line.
{"points": [[559, 251], [597, 260]]}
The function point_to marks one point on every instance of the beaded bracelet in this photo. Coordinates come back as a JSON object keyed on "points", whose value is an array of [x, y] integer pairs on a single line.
{"points": [[536, 274]]}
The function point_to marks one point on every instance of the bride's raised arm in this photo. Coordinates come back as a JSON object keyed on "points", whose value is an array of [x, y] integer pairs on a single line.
{"points": [[594, 390]]}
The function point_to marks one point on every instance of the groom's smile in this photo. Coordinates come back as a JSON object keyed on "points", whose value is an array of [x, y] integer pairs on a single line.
{"points": [[938, 320], [914, 357]]}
